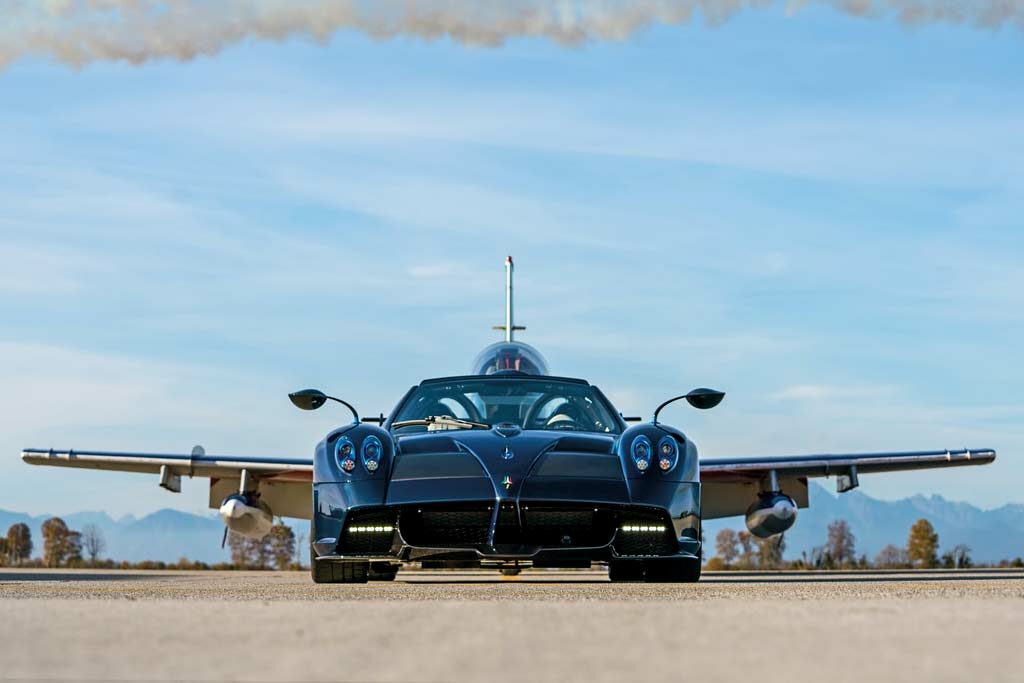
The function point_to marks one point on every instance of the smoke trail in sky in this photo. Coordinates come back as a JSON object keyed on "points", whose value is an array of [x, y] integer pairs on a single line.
{"points": [[77, 32]]}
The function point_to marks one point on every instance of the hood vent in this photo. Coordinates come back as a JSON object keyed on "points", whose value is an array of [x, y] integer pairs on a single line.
{"points": [[426, 443], [590, 443], [579, 465], [436, 466]]}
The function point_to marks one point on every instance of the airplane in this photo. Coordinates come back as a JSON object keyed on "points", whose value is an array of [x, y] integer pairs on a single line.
{"points": [[507, 467]]}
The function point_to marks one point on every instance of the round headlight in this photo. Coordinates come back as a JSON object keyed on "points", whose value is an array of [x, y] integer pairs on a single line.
{"points": [[372, 451], [641, 452], [669, 453], [345, 452]]}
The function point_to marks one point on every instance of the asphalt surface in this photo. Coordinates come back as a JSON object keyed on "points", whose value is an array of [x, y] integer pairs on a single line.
{"points": [[541, 625]]}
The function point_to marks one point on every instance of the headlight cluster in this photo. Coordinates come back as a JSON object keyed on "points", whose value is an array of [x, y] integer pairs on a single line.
{"points": [[371, 452], [668, 453], [346, 452], [644, 453]]}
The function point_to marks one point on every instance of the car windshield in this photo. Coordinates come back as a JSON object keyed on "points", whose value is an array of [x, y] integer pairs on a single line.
{"points": [[546, 404]]}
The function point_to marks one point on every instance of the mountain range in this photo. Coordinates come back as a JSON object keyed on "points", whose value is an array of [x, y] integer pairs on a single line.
{"points": [[992, 535]]}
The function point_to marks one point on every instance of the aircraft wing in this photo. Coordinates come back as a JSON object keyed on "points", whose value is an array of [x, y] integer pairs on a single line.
{"points": [[730, 485], [196, 464], [285, 483]]}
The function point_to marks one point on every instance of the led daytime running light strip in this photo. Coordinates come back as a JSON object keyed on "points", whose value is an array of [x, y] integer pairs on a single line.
{"points": [[644, 529], [370, 529]]}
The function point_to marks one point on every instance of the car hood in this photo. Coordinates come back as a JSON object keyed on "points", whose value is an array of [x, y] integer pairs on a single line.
{"points": [[484, 464]]}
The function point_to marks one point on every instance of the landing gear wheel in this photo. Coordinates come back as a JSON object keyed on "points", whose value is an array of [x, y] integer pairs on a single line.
{"points": [[339, 572], [672, 570], [383, 571], [510, 571], [626, 570]]}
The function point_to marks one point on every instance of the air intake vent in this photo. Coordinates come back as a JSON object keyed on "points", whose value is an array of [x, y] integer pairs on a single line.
{"points": [[645, 534], [446, 527], [368, 532], [583, 527]]}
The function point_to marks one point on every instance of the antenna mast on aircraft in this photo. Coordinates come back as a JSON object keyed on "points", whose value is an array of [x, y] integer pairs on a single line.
{"points": [[510, 328]]}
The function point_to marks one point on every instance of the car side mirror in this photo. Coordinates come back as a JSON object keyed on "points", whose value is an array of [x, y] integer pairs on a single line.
{"points": [[704, 399], [701, 399], [308, 399]]}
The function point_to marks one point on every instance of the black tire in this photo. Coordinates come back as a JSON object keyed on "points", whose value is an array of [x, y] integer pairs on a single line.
{"points": [[672, 570], [625, 570], [382, 571], [339, 572], [510, 571]]}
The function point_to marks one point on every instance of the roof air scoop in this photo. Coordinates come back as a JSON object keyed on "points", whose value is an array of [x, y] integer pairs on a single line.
{"points": [[509, 356]]}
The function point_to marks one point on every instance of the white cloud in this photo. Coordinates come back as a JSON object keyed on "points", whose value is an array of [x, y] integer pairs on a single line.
{"points": [[922, 141], [825, 392]]}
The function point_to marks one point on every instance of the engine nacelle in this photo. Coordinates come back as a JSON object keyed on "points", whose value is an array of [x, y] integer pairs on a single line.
{"points": [[772, 514], [246, 516]]}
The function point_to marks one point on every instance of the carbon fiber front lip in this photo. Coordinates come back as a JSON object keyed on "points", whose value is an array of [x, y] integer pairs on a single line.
{"points": [[600, 554], [407, 550]]}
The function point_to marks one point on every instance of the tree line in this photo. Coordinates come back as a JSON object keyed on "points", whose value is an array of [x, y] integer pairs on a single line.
{"points": [[743, 550], [66, 547]]}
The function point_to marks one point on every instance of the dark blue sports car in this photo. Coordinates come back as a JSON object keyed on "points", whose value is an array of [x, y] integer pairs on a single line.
{"points": [[506, 469]]}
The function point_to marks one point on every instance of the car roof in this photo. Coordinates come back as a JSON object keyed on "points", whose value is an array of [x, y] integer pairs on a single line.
{"points": [[505, 376]]}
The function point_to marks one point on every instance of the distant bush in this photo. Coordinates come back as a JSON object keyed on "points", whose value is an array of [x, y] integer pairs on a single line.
{"points": [[183, 564], [716, 564]]}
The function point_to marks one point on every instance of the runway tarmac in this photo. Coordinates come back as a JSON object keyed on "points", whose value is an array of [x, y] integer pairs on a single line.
{"points": [[542, 625]]}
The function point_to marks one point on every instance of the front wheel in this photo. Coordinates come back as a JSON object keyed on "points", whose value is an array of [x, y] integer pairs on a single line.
{"points": [[672, 570], [626, 570], [324, 571]]}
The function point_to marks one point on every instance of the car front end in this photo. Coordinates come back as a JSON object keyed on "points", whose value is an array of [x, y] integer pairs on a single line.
{"points": [[572, 488]]}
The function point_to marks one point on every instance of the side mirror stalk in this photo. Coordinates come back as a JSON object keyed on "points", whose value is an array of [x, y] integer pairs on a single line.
{"points": [[701, 399], [312, 399]]}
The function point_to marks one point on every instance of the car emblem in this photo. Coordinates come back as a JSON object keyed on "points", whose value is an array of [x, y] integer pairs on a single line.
{"points": [[508, 454], [507, 482]]}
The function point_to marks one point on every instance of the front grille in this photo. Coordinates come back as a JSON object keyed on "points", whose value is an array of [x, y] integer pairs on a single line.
{"points": [[446, 527], [645, 534], [573, 527], [368, 532], [534, 526]]}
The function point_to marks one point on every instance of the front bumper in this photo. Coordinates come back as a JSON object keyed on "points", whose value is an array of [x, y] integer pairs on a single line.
{"points": [[540, 531]]}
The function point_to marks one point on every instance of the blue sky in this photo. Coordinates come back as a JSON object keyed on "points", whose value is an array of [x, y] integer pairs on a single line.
{"points": [[819, 214]]}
